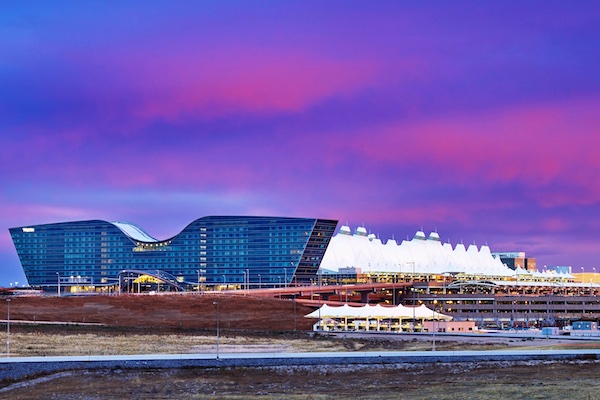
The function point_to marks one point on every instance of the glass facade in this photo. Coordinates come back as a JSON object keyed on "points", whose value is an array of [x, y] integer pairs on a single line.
{"points": [[229, 250]]}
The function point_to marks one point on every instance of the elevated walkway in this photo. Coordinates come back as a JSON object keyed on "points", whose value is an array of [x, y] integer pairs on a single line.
{"points": [[127, 276]]}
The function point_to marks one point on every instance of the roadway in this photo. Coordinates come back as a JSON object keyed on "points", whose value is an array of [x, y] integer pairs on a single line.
{"points": [[396, 356], [316, 290], [15, 368]]}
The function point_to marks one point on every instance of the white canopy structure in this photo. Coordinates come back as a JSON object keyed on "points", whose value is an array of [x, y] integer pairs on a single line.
{"points": [[377, 311], [134, 231], [526, 275], [369, 318], [421, 255]]}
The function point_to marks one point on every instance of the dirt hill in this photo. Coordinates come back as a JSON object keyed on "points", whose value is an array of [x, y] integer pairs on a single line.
{"points": [[187, 311]]}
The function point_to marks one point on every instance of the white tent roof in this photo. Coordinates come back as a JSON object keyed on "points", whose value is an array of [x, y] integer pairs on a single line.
{"points": [[377, 311], [421, 255]]}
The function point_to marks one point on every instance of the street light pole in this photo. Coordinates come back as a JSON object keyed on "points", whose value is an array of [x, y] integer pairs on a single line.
{"points": [[346, 293], [259, 282], [433, 323], [218, 317], [414, 308], [244, 283], [58, 282], [294, 313], [7, 327], [319, 281], [319, 278], [198, 271]]}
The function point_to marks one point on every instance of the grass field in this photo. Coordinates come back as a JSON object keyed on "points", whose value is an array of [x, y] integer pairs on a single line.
{"points": [[75, 340], [186, 325], [533, 380], [514, 380]]}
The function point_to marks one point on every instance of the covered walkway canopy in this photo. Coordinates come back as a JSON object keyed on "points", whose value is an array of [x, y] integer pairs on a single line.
{"points": [[375, 317], [129, 276]]}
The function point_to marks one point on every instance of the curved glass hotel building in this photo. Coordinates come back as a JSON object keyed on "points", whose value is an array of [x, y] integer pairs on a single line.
{"points": [[236, 251]]}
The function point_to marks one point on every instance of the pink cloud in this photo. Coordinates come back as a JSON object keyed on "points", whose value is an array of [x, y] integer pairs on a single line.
{"points": [[216, 83], [416, 215], [556, 225], [13, 213], [18, 214], [537, 145]]}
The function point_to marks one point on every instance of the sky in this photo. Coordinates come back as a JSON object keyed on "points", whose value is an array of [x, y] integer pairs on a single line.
{"points": [[478, 120]]}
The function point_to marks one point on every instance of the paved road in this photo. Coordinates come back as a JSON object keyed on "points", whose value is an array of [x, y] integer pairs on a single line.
{"points": [[15, 368], [401, 356]]}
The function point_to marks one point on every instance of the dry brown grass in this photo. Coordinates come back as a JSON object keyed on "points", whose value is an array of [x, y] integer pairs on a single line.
{"points": [[180, 311], [36, 340], [72, 340], [485, 381], [27, 341], [181, 324]]}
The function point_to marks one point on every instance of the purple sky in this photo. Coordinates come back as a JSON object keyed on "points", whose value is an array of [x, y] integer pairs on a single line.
{"points": [[478, 119]]}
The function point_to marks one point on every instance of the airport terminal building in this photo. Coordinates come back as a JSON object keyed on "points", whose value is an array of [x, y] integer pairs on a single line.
{"points": [[223, 253], [214, 251]]}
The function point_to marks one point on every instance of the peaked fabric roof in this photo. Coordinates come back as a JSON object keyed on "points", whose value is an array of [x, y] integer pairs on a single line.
{"points": [[422, 254], [377, 311]]}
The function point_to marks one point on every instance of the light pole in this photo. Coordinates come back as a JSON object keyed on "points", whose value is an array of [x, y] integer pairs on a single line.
{"points": [[224, 282], [294, 313], [433, 323], [218, 317], [414, 307], [319, 278], [259, 282], [346, 293], [244, 283], [198, 271], [7, 327], [58, 282], [319, 281], [247, 279], [444, 283]]}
